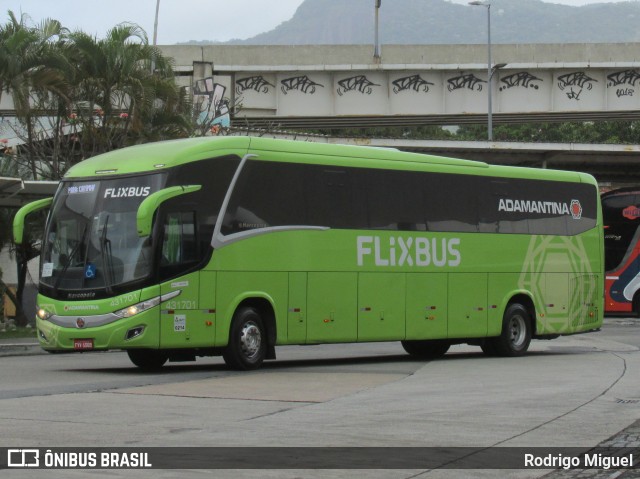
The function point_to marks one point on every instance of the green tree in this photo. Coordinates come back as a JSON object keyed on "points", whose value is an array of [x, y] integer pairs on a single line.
{"points": [[77, 96], [30, 68], [118, 99]]}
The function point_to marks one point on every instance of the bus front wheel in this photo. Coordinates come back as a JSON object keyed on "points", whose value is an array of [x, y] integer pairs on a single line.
{"points": [[247, 346], [147, 359], [426, 349], [516, 333]]}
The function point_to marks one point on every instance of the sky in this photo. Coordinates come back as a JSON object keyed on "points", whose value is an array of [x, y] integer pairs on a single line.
{"points": [[178, 20]]}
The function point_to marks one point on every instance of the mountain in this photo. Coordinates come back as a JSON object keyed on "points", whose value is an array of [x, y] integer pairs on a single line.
{"points": [[443, 22]]}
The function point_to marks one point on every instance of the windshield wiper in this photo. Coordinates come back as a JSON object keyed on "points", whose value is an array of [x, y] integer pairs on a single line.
{"points": [[107, 256], [72, 255]]}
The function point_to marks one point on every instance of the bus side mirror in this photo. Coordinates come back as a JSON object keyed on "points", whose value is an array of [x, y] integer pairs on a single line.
{"points": [[21, 215], [146, 210]]}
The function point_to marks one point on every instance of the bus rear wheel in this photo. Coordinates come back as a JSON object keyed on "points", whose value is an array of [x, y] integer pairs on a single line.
{"points": [[636, 304], [247, 346], [516, 333], [426, 349], [147, 359]]}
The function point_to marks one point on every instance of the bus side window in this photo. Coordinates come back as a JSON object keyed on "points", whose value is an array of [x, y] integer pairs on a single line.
{"points": [[451, 202], [336, 197], [394, 200], [179, 245], [267, 194]]}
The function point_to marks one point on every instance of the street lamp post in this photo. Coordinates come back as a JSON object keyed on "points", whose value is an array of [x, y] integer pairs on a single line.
{"points": [[489, 68], [376, 48], [155, 36], [155, 24]]}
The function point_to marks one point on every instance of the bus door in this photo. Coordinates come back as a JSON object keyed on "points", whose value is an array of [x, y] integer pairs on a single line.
{"points": [[188, 315], [185, 321]]}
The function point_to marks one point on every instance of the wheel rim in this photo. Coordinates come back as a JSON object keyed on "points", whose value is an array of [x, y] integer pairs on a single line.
{"points": [[517, 331], [250, 340]]}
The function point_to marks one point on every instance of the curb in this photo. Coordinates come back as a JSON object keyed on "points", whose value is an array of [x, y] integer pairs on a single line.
{"points": [[20, 349]]}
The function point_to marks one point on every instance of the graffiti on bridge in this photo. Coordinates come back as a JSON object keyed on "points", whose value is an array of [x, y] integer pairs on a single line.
{"points": [[576, 82], [358, 83], [413, 82], [256, 83], [469, 81], [300, 83], [519, 79], [618, 80]]}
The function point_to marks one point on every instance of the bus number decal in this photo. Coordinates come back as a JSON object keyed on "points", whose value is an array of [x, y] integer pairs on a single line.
{"points": [[181, 304], [399, 251], [122, 300]]}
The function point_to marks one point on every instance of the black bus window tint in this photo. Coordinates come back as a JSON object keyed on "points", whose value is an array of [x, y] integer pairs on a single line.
{"points": [[489, 194], [394, 200], [267, 194], [215, 176], [335, 197], [451, 202]]}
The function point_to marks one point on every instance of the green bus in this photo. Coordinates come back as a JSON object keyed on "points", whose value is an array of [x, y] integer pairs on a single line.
{"points": [[232, 246]]}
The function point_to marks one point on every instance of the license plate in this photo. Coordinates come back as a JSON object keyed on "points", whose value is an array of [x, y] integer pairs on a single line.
{"points": [[85, 343]]}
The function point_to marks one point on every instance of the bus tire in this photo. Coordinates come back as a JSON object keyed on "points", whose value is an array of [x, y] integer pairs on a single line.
{"points": [[426, 349], [247, 346], [516, 332], [147, 359], [636, 304]]}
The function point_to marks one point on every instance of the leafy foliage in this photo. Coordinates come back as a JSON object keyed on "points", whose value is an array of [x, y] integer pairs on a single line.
{"points": [[77, 96]]}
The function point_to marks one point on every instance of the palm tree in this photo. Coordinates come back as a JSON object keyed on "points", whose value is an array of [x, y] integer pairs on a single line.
{"points": [[117, 96], [31, 66]]}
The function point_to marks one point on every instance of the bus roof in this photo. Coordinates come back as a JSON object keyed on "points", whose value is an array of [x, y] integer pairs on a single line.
{"points": [[165, 154], [630, 190]]}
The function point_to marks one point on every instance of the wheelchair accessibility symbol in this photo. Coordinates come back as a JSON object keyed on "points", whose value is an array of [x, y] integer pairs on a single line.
{"points": [[90, 271]]}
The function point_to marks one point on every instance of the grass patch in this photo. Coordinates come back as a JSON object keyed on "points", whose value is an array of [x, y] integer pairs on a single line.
{"points": [[18, 333]]}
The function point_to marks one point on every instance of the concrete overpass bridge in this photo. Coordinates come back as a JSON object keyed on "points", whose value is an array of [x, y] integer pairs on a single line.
{"points": [[303, 87], [342, 86]]}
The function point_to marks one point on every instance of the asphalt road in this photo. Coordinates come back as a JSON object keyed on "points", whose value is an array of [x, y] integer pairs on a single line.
{"points": [[575, 391]]}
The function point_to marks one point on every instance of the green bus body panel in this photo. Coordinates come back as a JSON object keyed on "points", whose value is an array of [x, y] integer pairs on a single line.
{"points": [[297, 309], [332, 303], [157, 156], [322, 288]]}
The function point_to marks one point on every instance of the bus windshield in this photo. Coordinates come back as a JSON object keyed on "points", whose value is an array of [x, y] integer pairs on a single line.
{"points": [[621, 214], [91, 241]]}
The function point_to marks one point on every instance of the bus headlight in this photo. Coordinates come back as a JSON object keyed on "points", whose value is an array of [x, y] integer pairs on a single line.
{"points": [[43, 314], [137, 308], [145, 305]]}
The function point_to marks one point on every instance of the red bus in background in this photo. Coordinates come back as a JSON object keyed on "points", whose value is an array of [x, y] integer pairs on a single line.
{"points": [[621, 218]]}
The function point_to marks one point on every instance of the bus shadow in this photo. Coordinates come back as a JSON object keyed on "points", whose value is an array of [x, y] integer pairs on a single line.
{"points": [[206, 366]]}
